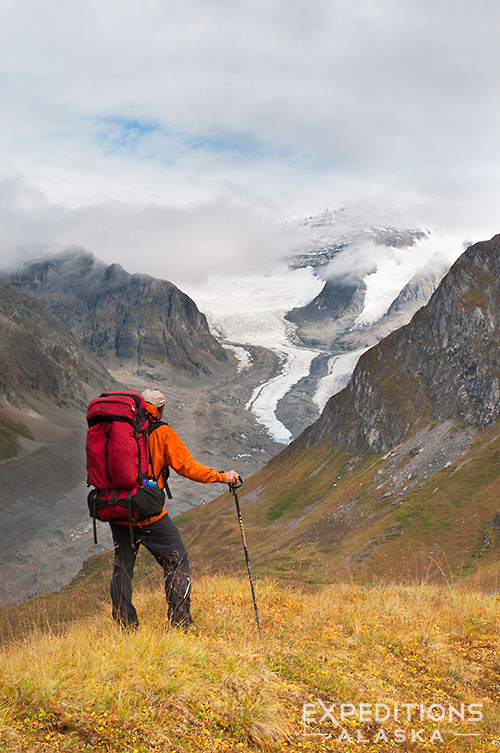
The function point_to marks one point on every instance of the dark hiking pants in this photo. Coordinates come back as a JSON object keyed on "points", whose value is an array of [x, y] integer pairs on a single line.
{"points": [[164, 542]]}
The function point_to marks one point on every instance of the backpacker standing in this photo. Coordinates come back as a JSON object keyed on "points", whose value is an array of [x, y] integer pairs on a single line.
{"points": [[157, 532]]}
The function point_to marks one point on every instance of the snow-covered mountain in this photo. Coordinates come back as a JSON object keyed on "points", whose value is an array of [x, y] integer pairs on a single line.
{"points": [[328, 233], [354, 277], [419, 289], [365, 261]]}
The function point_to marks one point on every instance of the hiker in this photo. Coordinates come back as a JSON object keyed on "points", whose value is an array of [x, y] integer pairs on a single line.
{"points": [[158, 533]]}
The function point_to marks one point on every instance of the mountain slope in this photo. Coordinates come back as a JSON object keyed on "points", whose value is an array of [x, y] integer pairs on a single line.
{"points": [[346, 247], [420, 287], [123, 317], [40, 359], [444, 364], [400, 476], [39, 353], [46, 380]]}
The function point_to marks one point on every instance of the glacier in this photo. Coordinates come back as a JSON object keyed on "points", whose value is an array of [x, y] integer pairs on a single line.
{"points": [[251, 311]]}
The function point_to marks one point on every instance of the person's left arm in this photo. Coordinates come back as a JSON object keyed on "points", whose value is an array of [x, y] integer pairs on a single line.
{"points": [[180, 459]]}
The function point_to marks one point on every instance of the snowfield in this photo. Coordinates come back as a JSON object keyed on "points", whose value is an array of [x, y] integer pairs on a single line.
{"points": [[394, 269], [340, 369]]}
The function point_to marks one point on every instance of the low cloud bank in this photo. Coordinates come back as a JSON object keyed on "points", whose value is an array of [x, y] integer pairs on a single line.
{"points": [[172, 243]]}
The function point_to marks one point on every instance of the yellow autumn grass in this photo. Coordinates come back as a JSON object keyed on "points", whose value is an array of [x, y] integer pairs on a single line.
{"points": [[94, 687]]}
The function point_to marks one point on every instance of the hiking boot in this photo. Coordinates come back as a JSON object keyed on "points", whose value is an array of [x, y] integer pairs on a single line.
{"points": [[186, 625]]}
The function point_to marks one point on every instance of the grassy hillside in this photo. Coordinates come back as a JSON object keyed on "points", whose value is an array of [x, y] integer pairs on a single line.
{"points": [[90, 686], [374, 577], [320, 516]]}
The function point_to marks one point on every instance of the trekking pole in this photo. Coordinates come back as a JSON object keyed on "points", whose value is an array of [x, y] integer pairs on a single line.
{"points": [[232, 488]]}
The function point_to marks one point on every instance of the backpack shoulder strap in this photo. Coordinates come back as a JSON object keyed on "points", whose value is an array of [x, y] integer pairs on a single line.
{"points": [[154, 424]]}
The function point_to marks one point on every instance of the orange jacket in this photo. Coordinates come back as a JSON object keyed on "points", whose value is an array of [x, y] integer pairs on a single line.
{"points": [[168, 450]]}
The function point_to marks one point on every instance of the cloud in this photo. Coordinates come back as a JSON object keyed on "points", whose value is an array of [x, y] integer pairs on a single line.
{"points": [[281, 108], [355, 262], [179, 244], [391, 267]]}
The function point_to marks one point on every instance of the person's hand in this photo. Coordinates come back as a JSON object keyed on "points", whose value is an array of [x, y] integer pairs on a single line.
{"points": [[232, 478]]}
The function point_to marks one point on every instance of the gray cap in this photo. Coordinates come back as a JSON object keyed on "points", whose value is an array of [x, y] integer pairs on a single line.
{"points": [[155, 397]]}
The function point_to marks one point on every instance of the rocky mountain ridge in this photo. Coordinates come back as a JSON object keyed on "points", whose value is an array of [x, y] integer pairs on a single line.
{"points": [[443, 364], [123, 317], [42, 365]]}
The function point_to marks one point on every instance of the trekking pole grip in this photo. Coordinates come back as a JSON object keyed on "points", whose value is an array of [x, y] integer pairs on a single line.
{"points": [[233, 487]]}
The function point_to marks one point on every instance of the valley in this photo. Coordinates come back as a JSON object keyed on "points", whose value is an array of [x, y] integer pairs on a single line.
{"points": [[266, 385], [399, 477]]}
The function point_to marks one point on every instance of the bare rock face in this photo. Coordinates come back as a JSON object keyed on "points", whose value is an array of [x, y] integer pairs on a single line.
{"points": [[337, 298], [42, 367], [123, 317], [40, 356], [331, 314], [444, 364]]}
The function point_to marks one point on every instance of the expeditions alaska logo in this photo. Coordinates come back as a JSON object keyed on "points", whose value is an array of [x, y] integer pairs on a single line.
{"points": [[390, 722]]}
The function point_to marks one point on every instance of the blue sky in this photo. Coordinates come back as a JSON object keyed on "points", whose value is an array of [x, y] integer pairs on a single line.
{"points": [[266, 110], [125, 134]]}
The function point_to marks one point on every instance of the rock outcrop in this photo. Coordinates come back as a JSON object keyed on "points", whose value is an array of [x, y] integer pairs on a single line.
{"points": [[330, 315], [40, 357], [123, 317], [444, 364]]}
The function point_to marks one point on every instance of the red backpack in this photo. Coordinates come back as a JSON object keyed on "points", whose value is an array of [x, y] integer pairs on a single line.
{"points": [[117, 459]]}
